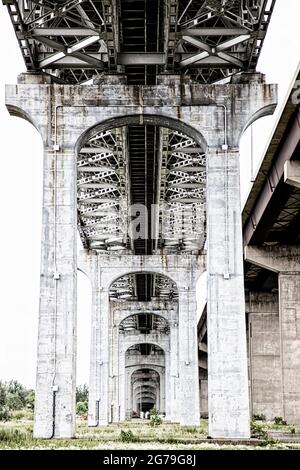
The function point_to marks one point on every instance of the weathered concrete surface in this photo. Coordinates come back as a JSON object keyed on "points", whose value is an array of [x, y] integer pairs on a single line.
{"points": [[289, 313], [215, 116], [228, 400], [264, 354], [102, 272], [285, 260]]}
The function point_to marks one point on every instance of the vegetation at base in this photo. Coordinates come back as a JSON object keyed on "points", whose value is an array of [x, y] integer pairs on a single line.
{"points": [[259, 417], [128, 436], [155, 419], [132, 435], [279, 421]]}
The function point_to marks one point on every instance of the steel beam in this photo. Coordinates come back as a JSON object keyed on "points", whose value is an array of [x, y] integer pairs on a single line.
{"points": [[273, 179]]}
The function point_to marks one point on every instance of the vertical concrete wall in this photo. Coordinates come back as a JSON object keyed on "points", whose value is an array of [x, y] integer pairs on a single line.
{"points": [[264, 354], [228, 399], [289, 313]]}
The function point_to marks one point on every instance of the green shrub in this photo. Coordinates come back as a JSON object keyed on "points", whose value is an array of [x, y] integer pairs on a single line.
{"points": [[14, 402], [5, 413], [258, 431], [293, 430], [279, 421], [30, 398], [155, 419], [128, 436], [82, 408], [259, 417]]}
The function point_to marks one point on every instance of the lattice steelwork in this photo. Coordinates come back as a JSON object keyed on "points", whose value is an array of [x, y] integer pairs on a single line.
{"points": [[102, 195], [219, 38], [183, 194], [74, 40], [123, 288], [144, 323]]}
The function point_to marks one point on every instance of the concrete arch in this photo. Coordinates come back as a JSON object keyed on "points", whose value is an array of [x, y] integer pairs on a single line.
{"points": [[138, 312], [159, 120], [153, 367], [21, 113], [148, 270], [152, 344], [147, 313], [267, 110]]}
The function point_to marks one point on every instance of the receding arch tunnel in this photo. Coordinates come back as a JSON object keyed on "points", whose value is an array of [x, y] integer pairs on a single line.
{"points": [[141, 186]]}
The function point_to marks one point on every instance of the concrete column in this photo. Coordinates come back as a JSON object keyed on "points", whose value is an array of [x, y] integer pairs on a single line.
{"points": [[189, 413], [227, 355], [122, 385], [285, 260], [95, 361], [171, 403], [99, 364], [289, 315], [264, 354], [56, 364]]}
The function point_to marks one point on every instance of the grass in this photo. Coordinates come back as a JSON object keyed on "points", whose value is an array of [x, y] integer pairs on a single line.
{"points": [[133, 435]]}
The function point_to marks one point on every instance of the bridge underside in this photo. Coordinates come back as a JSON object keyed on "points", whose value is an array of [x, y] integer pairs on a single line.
{"points": [[141, 105]]}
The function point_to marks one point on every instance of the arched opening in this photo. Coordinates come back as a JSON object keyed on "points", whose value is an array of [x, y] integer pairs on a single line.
{"points": [[145, 390], [144, 323], [145, 386], [141, 186], [143, 336]]}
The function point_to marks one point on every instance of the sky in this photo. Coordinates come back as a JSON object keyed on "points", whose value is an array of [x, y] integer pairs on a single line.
{"points": [[21, 198]]}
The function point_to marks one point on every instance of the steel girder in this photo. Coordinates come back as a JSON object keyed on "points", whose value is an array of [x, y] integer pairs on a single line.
{"points": [[182, 194], [74, 40], [102, 192]]}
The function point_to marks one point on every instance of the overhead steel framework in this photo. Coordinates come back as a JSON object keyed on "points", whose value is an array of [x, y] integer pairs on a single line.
{"points": [[75, 40]]}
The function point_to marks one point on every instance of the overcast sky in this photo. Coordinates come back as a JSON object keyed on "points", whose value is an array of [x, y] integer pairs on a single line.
{"points": [[21, 197]]}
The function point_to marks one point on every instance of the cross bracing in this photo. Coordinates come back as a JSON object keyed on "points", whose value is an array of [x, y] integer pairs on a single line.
{"points": [[76, 40]]}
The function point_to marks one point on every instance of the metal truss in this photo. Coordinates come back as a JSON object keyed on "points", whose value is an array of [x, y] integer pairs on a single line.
{"points": [[144, 324], [218, 38], [123, 288], [75, 40], [71, 40], [182, 194], [102, 195]]}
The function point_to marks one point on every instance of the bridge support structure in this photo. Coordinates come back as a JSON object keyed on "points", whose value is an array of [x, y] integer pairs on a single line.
{"points": [[285, 260], [215, 116]]}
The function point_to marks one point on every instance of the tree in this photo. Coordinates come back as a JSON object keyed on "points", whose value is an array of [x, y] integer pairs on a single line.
{"points": [[30, 398], [82, 393]]}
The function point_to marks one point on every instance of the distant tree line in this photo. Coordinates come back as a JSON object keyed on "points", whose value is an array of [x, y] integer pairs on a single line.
{"points": [[15, 397]]}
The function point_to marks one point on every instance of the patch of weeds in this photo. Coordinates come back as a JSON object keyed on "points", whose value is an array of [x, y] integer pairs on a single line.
{"points": [[259, 417], [155, 419], [128, 436], [293, 430], [13, 436], [279, 421], [258, 431], [190, 430]]}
